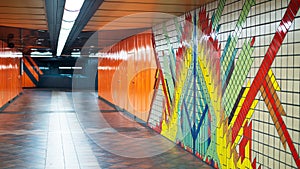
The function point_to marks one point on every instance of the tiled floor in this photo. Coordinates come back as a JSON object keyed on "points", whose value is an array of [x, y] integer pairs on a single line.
{"points": [[60, 129]]}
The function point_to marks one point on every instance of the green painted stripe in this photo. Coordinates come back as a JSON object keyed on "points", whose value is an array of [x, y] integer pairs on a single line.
{"points": [[211, 152], [171, 51], [238, 29], [168, 76], [238, 77], [178, 29], [217, 16]]}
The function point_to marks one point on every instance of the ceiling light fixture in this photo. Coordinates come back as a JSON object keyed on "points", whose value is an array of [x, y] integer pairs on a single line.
{"points": [[71, 11], [40, 54]]}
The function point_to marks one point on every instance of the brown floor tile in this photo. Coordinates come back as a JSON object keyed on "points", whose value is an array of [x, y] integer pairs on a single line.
{"points": [[60, 129]]}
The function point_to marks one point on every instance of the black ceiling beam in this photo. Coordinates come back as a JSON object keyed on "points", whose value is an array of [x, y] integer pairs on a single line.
{"points": [[88, 9], [54, 12]]}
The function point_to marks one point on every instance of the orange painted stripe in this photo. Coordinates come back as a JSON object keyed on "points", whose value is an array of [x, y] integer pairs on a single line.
{"points": [[35, 66], [26, 81], [30, 68]]}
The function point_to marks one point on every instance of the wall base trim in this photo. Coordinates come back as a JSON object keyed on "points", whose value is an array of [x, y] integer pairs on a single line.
{"points": [[9, 102], [124, 112]]}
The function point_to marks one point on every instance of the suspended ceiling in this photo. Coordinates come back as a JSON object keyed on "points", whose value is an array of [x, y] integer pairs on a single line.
{"points": [[28, 14], [136, 13], [40, 19]]}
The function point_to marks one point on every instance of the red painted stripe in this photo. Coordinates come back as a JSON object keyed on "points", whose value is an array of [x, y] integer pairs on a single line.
{"points": [[246, 138], [165, 90], [265, 66], [252, 41], [282, 124], [161, 75], [254, 163], [156, 86], [242, 148], [250, 137], [280, 34]]}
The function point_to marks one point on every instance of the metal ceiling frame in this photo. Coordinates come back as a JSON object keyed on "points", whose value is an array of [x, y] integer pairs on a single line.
{"points": [[87, 11], [54, 12]]}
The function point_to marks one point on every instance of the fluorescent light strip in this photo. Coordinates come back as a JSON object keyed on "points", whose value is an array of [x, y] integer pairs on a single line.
{"points": [[69, 68], [65, 67], [71, 11], [41, 54], [44, 68], [75, 54], [78, 68]]}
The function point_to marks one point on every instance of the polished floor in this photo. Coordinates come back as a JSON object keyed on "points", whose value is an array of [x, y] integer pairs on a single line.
{"points": [[75, 130]]}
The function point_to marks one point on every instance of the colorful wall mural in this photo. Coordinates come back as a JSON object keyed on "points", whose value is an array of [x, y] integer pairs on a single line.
{"points": [[227, 85], [126, 74]]}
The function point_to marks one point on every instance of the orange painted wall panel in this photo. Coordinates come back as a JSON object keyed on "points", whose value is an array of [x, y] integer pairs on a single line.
{"points": [[126, 75], [10, 79]]}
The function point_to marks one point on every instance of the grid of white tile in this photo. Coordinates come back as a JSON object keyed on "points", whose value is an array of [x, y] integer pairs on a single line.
{"points": [[262, 22]]}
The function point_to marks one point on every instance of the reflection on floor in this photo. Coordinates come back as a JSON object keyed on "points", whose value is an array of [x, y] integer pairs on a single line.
{"points": [[60, 129]]}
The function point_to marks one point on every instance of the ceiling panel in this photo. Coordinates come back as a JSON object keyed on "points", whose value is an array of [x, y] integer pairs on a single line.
{"points": [[177, 2], [22, 3], [110, 37], [134, 18], [11, 10], [119, 14], [28, 14], [103, 17], [24, 21], [125, 25], [142, 7], [128, 20], [23, 16], [27, 26], [138, 13]]}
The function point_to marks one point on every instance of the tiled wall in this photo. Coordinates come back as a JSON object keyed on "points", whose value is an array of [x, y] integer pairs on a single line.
{"points": [[10, 77], [126, 75], [228, 89]]}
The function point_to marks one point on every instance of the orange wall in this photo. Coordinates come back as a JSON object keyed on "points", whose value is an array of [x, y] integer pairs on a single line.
{"points": [[10, 79], [126, 75]]}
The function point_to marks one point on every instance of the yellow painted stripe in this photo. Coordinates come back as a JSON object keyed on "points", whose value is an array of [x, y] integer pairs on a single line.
{"points": [[169, 126], [273, 80]]}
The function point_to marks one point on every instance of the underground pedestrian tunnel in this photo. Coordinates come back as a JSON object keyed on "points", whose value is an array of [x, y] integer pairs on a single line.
{"points": [[149, 84]]}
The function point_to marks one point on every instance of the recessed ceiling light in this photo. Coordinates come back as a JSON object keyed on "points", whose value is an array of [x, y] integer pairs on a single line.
{"points": [[71, 11]]}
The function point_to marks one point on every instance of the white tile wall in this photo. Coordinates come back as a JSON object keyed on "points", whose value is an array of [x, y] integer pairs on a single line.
{"points": [[262, 23]]}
